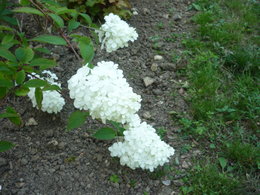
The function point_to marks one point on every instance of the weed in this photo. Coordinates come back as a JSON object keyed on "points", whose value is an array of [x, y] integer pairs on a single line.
{"points": [[114, 178], [207, 179], [245, 154]]}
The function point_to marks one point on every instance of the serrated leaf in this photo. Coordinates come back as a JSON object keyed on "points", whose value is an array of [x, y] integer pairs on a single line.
{"points": [[22, 91], [105, 134], [7, 54], [223, 162], [51, 39], [38, 96], [35, 83], [57, 19], [76, 119], [73, 24], [24, 54], [5, 145], [20, 76], [28, 10], [6, 83], [86, 18], [43, 63]]}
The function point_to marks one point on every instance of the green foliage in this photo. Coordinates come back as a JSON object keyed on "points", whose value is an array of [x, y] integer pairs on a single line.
{"points": [[245, 154], [105, 134], [76, 119], [207, 179], [114, 178], [5, 145], [100, 8]]}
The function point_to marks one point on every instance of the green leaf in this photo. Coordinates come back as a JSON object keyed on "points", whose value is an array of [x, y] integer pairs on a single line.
{"points": [[5, 145], [86, 49], [105, 134], [87, 18], [51, 39], [7, 54], [24, 2], [51, 88], [39, 97], [7, 28], [57, 19], [28, 10], [73, 24], [223, 162], [20, 76], [8, 115], [42, 50], [22, 91], [64, 10], [36, 83], [3, 92], [24, 54], [43, 63], [15, 120], [6, 83], [76, 119]]}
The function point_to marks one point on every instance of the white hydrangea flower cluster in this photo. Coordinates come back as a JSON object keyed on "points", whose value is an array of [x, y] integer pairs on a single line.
{"points": [[104, 91], [52, 101], [142, 148], [115, 33]]}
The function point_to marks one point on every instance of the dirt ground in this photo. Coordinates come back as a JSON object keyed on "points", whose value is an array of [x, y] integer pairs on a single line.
{"points": [[48, 161]]}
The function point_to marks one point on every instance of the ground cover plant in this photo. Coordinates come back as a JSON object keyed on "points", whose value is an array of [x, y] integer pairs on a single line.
{"points": [[223, 73]]}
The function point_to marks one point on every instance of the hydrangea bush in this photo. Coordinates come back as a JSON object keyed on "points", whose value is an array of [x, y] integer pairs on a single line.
{"points": [[101, 92], [52, 101], [115, 33]]}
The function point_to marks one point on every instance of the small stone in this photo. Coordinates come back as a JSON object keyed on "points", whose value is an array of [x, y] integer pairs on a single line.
{"points": [[178, 183], [185, 165], [176, 17], [146, 11], [166, 16], [147, 115], [181, 91], [168, 66], [154, 67], [24, 161], [19, 184], [3, 162], [53, 144], [148, 81], [166, 182], [52, 170], [61, 145], [116, 185], [31, 122], [158, 57]]}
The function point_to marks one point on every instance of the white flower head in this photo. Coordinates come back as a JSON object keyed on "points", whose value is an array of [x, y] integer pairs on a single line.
{"points": [[115, 33], [52, 101], [142, 148], [105, 92]]}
